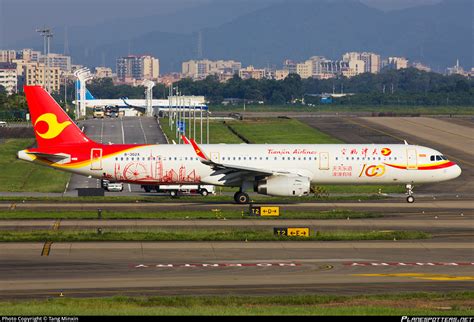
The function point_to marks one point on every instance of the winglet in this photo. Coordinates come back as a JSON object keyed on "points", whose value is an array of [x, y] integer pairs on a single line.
{"points": [[198, 150], [185, 139]]}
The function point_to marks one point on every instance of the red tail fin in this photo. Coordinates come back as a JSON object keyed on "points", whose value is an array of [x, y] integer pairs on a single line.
{"points": [[51, 124]]}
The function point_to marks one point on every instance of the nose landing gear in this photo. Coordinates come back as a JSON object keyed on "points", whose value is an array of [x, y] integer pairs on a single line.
{"points": [[410, 198]]}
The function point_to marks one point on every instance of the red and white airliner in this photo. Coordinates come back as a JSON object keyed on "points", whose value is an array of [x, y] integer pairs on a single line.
{"points": [[269, 169]]}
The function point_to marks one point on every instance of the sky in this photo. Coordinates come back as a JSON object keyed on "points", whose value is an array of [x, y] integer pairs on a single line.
{"points": [[20, 18]]}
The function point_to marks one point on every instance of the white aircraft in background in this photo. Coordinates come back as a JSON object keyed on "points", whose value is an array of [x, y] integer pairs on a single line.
{"points": [[269, 169], [188, 102]]}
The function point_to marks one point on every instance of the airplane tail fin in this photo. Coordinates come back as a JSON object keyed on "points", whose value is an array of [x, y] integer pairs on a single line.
{"points": [[89, 95], [51, 124]]}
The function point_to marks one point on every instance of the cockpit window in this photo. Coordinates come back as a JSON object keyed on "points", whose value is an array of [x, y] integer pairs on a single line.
{"points": [[438, 158]]}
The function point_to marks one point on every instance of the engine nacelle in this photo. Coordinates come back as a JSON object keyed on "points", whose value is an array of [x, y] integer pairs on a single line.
{"points": [[284, 186]]}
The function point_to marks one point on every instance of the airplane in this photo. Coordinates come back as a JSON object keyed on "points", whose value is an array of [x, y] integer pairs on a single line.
{"points": [[196, 103], [268, 169]]}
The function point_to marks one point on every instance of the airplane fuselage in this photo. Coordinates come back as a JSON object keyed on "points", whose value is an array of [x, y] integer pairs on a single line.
{"points": [[322, 163]]}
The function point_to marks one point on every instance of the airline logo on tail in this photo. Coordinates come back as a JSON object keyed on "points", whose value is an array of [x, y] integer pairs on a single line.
{"points": [[54, 128]]}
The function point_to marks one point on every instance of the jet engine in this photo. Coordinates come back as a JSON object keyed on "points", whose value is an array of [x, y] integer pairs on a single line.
{"points": [[284, 186]]}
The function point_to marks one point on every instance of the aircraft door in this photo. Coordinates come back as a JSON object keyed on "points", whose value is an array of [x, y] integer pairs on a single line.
{"points": [[96, 159], [412, 161], [323, 161]]}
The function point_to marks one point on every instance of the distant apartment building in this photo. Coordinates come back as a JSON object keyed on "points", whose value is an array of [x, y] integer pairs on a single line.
{"points": [[372, 62], [281, 74], [456, 70], [334, 67], [63, 62], [169, 79], [252, 72], [28, 55], [397, 63], [6, 56], [136, 68], [305, 70], [355, 67], [290, 66], [8, 77], [200, 69], [421, 67], [34, 73], [103, 72]]}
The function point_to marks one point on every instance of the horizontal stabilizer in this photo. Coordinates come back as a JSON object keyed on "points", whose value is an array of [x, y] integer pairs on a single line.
{"points": [[49, 156]]}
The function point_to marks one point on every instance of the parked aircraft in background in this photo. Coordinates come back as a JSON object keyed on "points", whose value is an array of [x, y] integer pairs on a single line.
{"points": [[269, 169], [191, 102]]}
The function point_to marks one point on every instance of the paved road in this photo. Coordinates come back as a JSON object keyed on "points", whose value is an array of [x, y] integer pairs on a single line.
{"points": [[381, 205], [105, 269], [133, 130]]}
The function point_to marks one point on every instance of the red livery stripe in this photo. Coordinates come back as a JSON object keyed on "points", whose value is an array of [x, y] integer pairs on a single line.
{"points": [[446, 164]]}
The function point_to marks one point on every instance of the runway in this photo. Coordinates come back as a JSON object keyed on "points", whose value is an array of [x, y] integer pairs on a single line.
{"points": [[267, 268]]}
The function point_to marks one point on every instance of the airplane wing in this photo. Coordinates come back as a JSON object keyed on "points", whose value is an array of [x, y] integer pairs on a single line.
{"points": [[138, 108], [229, 169]]}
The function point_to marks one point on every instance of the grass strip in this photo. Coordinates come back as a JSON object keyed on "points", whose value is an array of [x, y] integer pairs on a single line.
{"points": [[432, 304], [25, 176], [280, 131], [198, 214], [199, 235]]}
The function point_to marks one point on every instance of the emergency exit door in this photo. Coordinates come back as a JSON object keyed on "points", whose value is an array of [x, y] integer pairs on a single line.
{"points": [[412, 160], [96, 159], [323, 161]]}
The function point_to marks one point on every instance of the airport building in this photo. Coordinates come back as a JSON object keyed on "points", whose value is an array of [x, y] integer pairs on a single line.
{"points": [[137, 68], [8, 77]]}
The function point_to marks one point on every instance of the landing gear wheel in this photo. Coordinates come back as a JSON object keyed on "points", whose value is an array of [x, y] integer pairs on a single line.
{"points": [[410, 199], [241, 197], [204, 192], [172, 193]]}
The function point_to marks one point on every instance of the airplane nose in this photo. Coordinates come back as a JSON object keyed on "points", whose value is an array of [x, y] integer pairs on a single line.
{"points": [[456, 172]]}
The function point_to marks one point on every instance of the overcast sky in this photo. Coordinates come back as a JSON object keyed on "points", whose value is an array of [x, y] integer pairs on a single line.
{"points": [[19, 18]]}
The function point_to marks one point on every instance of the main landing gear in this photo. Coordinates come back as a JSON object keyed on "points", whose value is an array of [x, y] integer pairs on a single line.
{"points": [[410, 198], [241, 197]]}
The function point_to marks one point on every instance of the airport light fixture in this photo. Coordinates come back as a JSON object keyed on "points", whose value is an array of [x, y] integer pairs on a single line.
{"points": [[83, 75], [149, 96]]}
